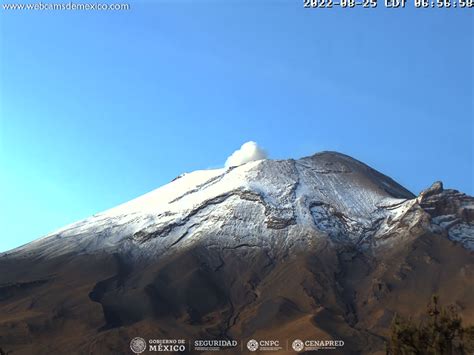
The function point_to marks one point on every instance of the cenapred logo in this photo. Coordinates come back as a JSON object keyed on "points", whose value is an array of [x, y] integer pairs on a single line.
{"points": [[138, 345], [297, 345], [252, 345], [316, 345]]}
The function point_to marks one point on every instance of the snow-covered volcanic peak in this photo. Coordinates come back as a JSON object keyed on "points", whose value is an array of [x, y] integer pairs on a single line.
{"points": [[329, 194], [328, 177]]}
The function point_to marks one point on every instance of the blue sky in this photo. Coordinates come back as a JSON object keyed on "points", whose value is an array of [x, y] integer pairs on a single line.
{"points": [[97, 108]]}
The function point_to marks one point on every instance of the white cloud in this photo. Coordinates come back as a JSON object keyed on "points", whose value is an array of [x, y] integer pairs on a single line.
{"points": [[249, 151]]}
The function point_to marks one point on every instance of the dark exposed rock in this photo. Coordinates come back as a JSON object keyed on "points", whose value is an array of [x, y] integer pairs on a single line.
{"points": [[434, 189], [279, 223]]}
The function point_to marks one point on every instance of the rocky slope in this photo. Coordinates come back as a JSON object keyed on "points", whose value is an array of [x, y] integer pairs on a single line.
{"points": [[323, 247]]}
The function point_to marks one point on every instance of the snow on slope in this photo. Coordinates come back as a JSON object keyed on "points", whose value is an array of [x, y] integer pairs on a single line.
{"points": [[328, 192]]}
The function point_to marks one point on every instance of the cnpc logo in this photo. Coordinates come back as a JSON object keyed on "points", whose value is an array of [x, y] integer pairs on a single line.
{"points": [[264, 345]]}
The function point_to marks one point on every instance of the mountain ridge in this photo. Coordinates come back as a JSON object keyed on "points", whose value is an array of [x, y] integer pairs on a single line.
{"points": [[313, 168]]}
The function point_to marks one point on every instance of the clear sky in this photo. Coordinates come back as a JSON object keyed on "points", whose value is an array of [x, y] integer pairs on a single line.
{"points": [[97, 108]]}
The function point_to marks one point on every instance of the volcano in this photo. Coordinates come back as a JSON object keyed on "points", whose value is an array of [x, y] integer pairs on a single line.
{"points": [[323, 247]]}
